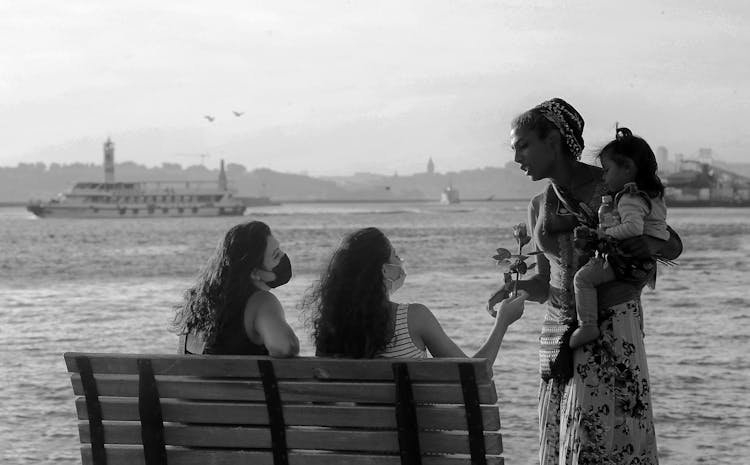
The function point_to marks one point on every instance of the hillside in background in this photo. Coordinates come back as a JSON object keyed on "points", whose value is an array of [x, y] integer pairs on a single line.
{"points": [[39, 181]]}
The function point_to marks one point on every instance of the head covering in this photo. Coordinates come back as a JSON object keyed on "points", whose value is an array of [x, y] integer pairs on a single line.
{"points": [[567, 120]]}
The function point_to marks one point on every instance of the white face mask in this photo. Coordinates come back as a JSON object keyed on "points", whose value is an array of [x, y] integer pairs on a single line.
{"points": [[394, 276]]}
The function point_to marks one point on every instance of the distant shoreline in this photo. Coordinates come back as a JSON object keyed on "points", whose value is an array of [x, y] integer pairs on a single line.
{"points": [[395, 200], [277, 202], [347, 201]]}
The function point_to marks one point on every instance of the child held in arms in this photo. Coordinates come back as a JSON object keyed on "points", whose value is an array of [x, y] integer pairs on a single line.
{"points": [[630, 171]]}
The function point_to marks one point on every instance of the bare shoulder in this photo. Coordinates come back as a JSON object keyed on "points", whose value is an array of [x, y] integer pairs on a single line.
{"points": [[263, 300], [419, 314]]}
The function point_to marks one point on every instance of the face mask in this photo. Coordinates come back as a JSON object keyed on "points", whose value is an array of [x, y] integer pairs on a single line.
{"points": [[283, 272], [394, 276]]}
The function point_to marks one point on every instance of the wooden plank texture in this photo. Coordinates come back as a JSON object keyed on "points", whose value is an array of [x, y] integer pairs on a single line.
{"points": [[290, 391], [437, 370], [334, 439], [370, 416], [119, 455]]}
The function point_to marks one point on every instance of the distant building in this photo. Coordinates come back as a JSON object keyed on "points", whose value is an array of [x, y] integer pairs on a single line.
{"points": [[109, 161], [705, 155], [430, 167], [662, 159], [662, 155], [223, 184]]}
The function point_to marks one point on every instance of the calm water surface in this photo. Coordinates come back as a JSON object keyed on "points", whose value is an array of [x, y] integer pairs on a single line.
{"points": [[109, 286]]}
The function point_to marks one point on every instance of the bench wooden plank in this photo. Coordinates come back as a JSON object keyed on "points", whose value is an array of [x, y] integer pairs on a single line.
{"points": [[373, 416], [294, 368], [290, 391], [334, 439], [127, 455]]}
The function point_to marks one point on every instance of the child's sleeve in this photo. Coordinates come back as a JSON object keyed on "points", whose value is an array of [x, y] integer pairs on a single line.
{"points": [[632, 209]]}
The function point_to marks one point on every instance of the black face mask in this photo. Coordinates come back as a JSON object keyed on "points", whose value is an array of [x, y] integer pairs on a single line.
{"points": [[283, 272]]}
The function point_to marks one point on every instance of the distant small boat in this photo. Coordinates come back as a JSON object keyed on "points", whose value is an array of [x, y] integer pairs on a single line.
{"points": [[449, 196]]}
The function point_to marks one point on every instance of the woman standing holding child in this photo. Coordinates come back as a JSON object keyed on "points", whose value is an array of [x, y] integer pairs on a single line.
{"points": [[594, 401]]}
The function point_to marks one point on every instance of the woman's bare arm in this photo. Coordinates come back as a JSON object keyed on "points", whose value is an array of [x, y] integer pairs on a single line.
{"points": [[646, 246], [440, 345], [269, 323]]}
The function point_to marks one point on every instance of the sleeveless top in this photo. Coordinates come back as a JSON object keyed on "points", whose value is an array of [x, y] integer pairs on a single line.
{"points": [[232, 339], [401, 345]]}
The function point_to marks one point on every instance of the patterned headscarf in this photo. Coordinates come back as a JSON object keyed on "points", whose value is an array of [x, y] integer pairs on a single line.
{"points": [[567, 120]]}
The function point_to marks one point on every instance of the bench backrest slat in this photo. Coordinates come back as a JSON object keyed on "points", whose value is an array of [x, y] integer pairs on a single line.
{"points": [[296, 368], [126, 455], [292, 391], [439, 417], [330, 411], [334, 439]]}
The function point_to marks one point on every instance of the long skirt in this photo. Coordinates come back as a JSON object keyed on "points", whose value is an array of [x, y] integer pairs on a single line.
{"points": [[602, 415]]}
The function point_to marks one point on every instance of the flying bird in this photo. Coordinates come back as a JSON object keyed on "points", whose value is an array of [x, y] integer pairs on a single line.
{"points": [[238, 113], [209, 118]]}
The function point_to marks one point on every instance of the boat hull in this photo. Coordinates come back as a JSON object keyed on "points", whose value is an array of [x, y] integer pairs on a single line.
{"points": [[69, 211]]}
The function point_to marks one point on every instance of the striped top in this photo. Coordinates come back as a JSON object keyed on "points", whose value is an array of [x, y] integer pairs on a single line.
{"points": [[401, 345]]}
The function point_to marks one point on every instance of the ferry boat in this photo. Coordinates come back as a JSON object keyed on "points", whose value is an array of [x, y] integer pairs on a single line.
{"points": [[141, 199], [449, 196]]}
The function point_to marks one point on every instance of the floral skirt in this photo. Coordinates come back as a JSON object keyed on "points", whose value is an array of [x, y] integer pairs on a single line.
{"points": [[602, 415]]}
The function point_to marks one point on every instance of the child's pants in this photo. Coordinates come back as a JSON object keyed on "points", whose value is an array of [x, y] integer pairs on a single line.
{"points": [[594, 273]]}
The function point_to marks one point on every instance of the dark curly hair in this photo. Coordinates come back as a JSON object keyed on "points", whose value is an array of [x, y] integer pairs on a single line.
{"points": [[224, 286], [626, 146], [349, 304]]}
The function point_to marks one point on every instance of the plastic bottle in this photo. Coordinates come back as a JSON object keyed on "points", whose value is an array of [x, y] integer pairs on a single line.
{"points": [[608, 216]]}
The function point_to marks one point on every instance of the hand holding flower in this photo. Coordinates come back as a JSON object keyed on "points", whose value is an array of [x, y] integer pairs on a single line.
{"points": [[514, 263]]}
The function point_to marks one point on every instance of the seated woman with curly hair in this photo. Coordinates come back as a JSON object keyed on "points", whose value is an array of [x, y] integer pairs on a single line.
{"points": [[353, 315], [230, 310]]}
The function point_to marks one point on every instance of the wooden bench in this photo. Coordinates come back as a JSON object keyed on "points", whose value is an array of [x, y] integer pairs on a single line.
{"points": [[203, 409]]}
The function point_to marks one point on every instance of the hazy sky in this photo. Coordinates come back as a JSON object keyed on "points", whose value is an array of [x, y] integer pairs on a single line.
{"points": [[334, 87]]}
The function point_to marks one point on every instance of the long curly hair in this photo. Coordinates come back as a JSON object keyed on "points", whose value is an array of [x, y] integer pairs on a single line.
{"points": [[349, 304], [224, 285]]}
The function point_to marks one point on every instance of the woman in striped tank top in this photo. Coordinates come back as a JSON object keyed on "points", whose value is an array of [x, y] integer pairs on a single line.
{"points": [[353, 314]]}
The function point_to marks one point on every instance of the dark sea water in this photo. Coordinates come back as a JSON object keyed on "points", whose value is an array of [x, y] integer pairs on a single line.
{"points": [[110, 285]]}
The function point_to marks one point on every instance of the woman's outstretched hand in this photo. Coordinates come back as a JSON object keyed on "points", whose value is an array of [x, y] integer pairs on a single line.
{"points": [[503, 293], [498, 297], [511, 308]]}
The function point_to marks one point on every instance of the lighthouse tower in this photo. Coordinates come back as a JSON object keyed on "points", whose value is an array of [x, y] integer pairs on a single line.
{"points": [[109, 161], [223, 185]]}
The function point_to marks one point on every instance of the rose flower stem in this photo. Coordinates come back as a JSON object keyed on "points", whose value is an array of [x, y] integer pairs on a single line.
{"points": [[518, 273]]}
